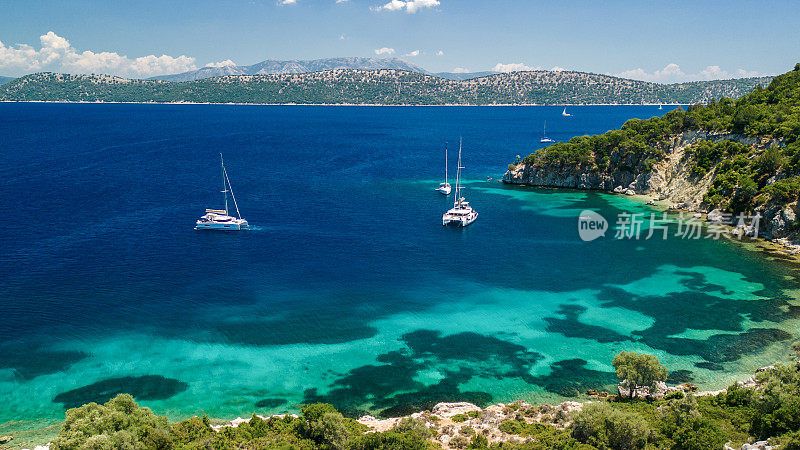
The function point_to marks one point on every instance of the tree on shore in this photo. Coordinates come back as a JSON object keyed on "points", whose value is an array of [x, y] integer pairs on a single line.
{"points": [[638, 370]]}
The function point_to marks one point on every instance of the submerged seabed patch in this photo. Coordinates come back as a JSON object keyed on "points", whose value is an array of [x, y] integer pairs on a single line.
{"points": [[537, 345]]}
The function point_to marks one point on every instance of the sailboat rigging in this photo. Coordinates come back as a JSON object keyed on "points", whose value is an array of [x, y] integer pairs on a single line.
{"points": [[544, 138], [461, 213], [218, 219], [444, 188]]}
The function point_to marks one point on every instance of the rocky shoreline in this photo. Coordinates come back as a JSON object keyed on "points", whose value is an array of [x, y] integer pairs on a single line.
{"points": [[668, 183], [454, 424]]}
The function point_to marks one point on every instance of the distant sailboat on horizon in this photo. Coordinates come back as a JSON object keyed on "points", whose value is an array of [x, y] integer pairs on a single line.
{"points": [[545, 139]]}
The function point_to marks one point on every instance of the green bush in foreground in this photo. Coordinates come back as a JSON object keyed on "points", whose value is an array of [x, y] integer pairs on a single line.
{"points": [[604, 427], [540, 435], [118, 424]]}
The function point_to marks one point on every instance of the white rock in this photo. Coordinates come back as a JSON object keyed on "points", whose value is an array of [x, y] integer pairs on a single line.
{"points": [[448, 410]]}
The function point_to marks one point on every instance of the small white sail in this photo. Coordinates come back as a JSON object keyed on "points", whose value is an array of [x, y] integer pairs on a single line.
{"points": [[444, 188]]}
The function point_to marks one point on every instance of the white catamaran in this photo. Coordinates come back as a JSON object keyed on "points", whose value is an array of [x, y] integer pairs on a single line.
{"points": [[461, 214], [218, 219], [545, 139], [444, 188]]}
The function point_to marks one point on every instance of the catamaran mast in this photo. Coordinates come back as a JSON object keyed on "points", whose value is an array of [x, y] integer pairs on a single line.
{"points": [[445, 163], [232, 195], [224, 185], [457, 200]]}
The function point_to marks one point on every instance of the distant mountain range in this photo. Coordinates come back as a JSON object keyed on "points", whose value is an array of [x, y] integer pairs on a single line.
{"points": [[4, 80], [272, 67], [384, 87]]}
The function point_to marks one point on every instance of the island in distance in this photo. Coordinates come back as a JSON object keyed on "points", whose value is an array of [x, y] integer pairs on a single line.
{"points": [[374, 81]]}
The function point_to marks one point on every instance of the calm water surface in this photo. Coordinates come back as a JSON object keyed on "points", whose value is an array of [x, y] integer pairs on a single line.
{"points": [[348, 289]]}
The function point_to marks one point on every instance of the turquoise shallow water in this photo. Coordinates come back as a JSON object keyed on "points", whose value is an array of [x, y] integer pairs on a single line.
{"points": [[347, 290]]}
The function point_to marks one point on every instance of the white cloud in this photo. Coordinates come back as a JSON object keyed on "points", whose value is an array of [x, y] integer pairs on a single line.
{"points": [[672, 73], [414, 53], [513, 67], [342, 37], [413, 5], [57, 54], [410, 6], [394, 5], [287, 2], [439, 53], [342, 1], [558, 69], [226, 63], [741, 73], [384, 51], [461, 70]]}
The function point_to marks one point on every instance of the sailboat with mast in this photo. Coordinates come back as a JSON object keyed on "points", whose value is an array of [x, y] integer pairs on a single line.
{"points": [[445, 188], [565, 113], [219, 219], [545, 139], [461, 214]]}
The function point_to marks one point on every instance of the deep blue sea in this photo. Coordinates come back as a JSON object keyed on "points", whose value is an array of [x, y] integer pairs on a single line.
{"points": [[348, 289]]}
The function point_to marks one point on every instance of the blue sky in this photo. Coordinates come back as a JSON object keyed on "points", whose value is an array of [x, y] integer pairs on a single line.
{"points": [[659, 41]]}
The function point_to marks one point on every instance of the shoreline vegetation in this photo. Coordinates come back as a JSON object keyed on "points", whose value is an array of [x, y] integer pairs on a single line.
{"points": [[375, 87], [724, 159], [646, 413]]}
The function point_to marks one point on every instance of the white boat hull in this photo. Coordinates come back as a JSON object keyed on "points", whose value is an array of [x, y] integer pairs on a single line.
{"points": [[461, 220], [235, 225], [444, 190]]}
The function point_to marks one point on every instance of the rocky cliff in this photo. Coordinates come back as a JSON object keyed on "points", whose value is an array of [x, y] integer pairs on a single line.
{"points": [[669, 178]]}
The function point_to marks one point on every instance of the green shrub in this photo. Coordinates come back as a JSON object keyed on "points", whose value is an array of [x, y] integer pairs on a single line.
{"points": [[784, 191], [789, 441], [194, 429], [315, 411], [743, 195], [683, 423], [414, 427], [119, 423], [459, 441], [479, 441], [778, 403], [601, 426], [674, 395], [458, 418]]}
